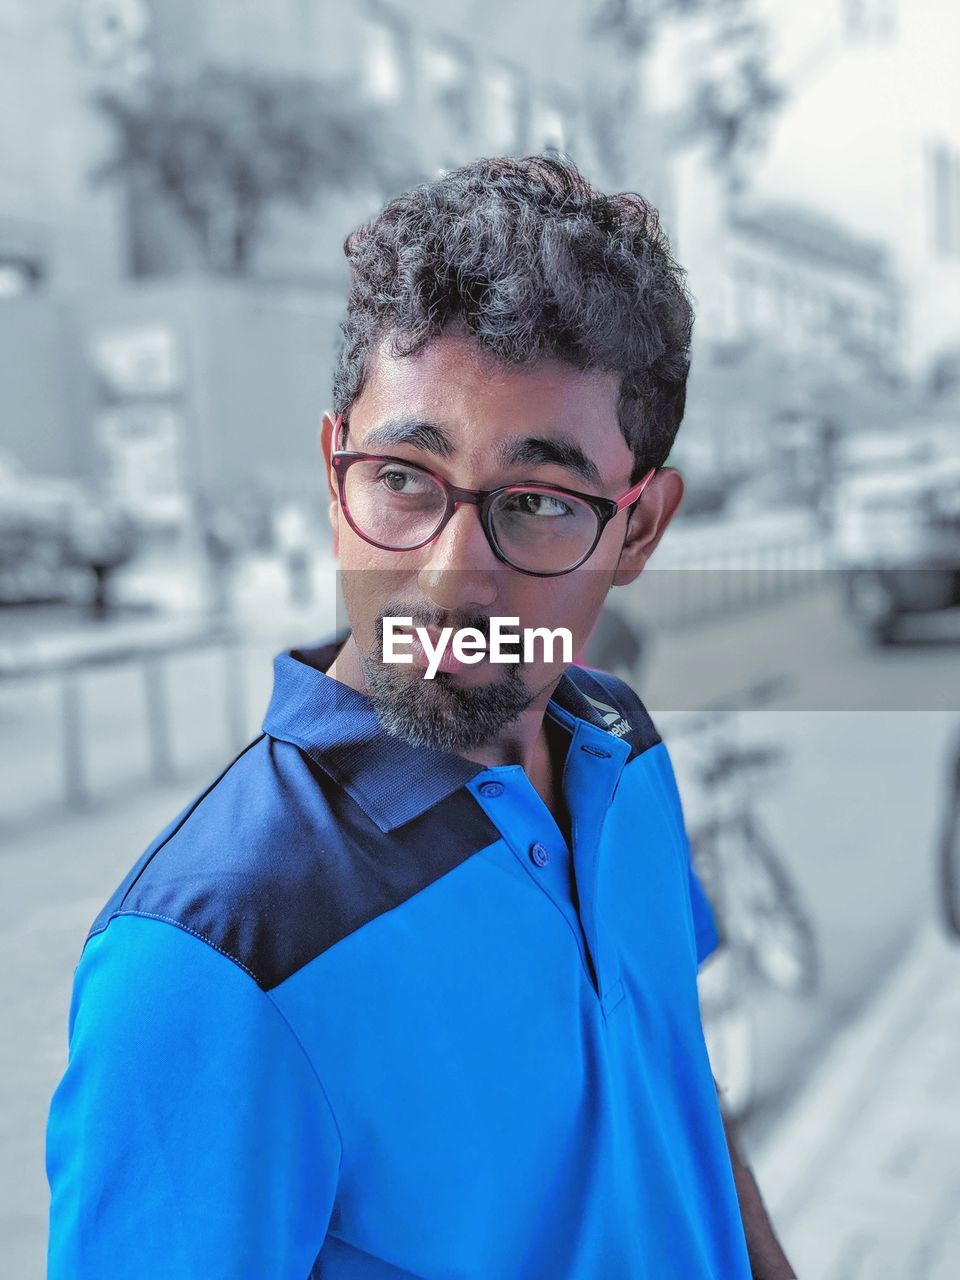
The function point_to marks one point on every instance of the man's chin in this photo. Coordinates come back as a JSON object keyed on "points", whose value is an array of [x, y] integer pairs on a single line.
{"points": [[451, 712], [465, 675], [432, 721]]}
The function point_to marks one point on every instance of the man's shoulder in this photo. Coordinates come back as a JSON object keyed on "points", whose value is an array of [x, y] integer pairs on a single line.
{"points": [[257, 865]]}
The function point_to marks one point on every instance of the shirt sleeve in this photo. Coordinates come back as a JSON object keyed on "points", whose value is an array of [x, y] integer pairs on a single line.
{"points": [[704, 921], [189, 1135]]}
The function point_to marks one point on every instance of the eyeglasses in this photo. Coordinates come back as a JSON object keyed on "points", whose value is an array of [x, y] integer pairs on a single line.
{"points": [[539, 529]]}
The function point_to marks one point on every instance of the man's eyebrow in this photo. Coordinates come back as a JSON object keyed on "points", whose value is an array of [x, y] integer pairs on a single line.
{"points": [[413, 431], [559, 451]]}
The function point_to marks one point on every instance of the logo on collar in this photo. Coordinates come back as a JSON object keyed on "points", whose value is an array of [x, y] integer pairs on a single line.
{"points": [[614, 721]]}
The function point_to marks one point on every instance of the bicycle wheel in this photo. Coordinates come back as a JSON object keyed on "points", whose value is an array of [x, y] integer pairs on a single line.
{"points": [[781, 942], [723, 985], [950, 857], [728, 1030]]}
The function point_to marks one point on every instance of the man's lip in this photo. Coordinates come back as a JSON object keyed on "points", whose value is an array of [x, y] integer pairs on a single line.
{"points": [[447, 661], [434, 633]]}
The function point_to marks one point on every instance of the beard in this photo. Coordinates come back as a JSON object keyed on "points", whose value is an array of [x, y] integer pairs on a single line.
{"points": [[441, 713]]}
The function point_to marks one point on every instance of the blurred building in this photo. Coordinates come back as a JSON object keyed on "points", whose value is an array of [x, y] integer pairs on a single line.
{"points": [[789, 279], [870, 135], [126, 359], [60, 237], [55, 225], [826, 274], [807, 287], [521, 79], [798, 332]]}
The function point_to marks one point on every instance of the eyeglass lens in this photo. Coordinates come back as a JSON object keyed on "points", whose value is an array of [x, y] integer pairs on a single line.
{"points": [[401, 507]]}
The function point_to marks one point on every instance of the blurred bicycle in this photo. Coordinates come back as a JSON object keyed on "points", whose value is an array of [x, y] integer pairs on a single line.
{"points": [[767, 938], [949, 852]]}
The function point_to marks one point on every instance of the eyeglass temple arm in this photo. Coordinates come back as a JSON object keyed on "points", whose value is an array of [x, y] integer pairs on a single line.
{"points": [[633, 494]]}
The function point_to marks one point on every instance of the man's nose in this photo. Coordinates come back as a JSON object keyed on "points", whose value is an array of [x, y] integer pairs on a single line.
{"points": [[461, 570]]}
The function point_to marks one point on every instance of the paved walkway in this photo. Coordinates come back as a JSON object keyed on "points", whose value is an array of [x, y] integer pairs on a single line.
{"points": [[862, 1178]]}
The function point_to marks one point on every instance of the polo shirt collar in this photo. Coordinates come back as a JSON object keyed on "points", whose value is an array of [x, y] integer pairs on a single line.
{"points": [[337, 727]]}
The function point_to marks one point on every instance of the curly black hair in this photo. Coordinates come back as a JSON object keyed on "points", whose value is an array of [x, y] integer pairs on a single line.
{"points": [[533, 262]]}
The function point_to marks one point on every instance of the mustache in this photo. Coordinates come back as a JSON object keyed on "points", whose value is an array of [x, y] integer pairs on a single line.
{"points": [[434, 619]]}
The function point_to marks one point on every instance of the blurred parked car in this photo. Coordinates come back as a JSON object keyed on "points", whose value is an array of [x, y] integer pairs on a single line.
{"points": [[58, 541], [898, 541], [101, 536], [34, 516]]}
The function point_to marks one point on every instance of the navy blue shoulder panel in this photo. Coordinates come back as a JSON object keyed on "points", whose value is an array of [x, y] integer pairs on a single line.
{"points": [[275, 863], [113, 903], [619, 708]]}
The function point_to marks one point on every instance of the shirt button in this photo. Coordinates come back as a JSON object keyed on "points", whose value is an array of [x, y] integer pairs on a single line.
{"points": [[539, 855], [491, 788]]}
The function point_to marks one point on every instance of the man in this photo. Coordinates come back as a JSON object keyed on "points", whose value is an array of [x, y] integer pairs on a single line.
{"points": [[411, 988]]}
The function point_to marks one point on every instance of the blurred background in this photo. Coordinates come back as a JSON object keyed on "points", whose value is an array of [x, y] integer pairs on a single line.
{"points": [[176, 180]]}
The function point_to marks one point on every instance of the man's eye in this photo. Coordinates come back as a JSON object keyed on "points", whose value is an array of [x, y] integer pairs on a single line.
{"points": [[538, 504], [399, 481]]}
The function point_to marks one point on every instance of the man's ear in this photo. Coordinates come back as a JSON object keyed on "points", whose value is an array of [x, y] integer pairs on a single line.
{"points": [[327, 445], [648, 522]]}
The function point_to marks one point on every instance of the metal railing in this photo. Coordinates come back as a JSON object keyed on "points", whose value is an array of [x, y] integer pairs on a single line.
{"points": [[69, 659], [697, 584]]}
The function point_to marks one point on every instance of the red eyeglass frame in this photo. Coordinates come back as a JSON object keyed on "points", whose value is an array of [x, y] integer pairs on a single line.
{"points": [[605, 508]]}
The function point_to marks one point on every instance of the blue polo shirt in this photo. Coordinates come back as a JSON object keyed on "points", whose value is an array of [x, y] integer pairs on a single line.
{"points": [[360, 1012]]}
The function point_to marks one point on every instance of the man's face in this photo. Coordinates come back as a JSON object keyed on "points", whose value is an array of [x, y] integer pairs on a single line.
{"points": [[481, 425]]}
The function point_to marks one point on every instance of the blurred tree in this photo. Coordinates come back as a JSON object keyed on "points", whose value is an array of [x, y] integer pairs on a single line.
{"points": [[732, 93], [224, 144]]}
